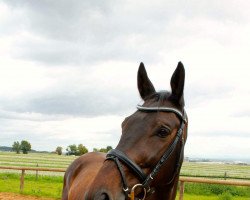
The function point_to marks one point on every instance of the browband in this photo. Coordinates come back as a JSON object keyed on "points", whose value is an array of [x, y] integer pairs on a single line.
{"points": [[164, 109]]}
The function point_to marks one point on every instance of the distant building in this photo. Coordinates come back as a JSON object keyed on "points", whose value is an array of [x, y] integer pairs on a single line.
{"points": [[239, 163]]}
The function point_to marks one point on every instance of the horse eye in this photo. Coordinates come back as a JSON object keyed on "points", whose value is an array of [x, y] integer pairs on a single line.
{"points": [[163, 132]]}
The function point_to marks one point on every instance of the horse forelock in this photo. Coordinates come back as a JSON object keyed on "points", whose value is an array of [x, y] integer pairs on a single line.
{"points": [[164, 98]]}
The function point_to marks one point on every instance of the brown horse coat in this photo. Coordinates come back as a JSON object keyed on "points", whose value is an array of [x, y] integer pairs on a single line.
{"points": [[145, 137]]}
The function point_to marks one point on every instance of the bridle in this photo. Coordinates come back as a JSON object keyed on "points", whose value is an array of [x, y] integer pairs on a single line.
{"points": [[146, 180]]}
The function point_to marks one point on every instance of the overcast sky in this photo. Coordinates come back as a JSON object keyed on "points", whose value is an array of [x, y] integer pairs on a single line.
{"points": [[68, 70]]}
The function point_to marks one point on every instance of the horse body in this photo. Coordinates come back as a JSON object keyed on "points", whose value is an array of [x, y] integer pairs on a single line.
{"points": [[146, 135], [81, 172]]}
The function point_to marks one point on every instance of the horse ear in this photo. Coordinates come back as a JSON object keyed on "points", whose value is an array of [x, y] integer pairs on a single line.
{"points": [[177, 84], [145, 86]]}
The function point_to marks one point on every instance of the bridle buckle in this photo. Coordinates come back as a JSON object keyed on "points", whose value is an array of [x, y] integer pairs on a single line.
{"points": [[132, 193]]}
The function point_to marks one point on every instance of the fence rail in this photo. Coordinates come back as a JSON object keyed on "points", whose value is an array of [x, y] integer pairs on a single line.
{"points": [[34, 169], [182, 179], [208, 181]]}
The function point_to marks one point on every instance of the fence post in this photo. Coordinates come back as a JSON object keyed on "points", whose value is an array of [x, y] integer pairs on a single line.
{"points": [[22, 180], [36, 172], [181, 190]]}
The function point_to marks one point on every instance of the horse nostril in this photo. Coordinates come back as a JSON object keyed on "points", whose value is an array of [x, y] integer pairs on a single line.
{"points": [[102, 196]]}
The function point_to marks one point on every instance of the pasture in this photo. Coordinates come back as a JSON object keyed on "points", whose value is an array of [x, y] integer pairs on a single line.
{"points": [[49, 184]]}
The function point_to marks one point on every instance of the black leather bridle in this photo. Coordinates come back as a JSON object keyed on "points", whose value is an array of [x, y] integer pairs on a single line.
{"points": [[145, 180]]}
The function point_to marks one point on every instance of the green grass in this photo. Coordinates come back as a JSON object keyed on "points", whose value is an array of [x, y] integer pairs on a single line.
{"points": [[45, 186], [215, 189], [34, 159], [49, 184], [188, 169], [197, 169], [203, 197], [195, 191]]}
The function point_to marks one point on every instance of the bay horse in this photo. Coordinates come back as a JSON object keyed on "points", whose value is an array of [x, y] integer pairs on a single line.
{"points": [[147, 160]]}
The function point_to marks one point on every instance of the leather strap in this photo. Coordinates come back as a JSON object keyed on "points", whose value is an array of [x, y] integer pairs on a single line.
{"points": [[129, 163], [163, 109], [146, 180], [166, 156], [121, 171]]}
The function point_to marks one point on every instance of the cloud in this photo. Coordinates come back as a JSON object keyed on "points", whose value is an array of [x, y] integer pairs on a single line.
{"points": [[86, 103], [29, 116], [65, 64], [242, 113], [222, 147], [46, 135], [71, 91], [86, 32], [73, 33]]}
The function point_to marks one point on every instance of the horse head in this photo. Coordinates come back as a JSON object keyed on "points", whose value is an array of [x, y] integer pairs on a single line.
{"points": [[147, 160]]}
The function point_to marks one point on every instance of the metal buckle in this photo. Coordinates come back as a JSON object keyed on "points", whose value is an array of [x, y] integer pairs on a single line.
{"points": [[132, 193]]}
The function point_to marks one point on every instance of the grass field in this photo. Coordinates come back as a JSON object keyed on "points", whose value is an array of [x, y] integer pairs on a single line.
{"points": [[188, 168], [215, 170], [45, 186], [49, 184]]}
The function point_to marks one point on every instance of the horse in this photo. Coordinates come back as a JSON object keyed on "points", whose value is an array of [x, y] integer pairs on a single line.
{"points": [[146, 163]]}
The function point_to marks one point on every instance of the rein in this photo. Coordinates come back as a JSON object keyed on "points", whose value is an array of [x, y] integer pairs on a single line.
{"points": [[146, 180]]}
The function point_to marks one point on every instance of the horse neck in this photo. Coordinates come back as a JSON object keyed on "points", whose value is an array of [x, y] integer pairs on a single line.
{"points": [[166, 192]]}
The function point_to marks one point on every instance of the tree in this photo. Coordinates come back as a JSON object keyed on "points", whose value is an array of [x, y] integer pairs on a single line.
{"points": [[25, 146], [81, 150], [109, 148], [72, 150], [16, 147], [104, 150], [59, 150]]}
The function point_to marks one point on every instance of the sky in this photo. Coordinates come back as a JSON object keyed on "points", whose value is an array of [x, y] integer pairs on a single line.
{"points": [[68, 70]]}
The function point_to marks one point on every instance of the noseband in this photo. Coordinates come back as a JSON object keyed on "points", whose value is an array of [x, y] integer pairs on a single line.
{"points": [[146, 180]]}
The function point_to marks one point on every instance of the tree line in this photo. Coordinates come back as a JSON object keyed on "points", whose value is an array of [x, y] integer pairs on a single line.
{"points": [[80, 150], [23, 146], [72, 149]]}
